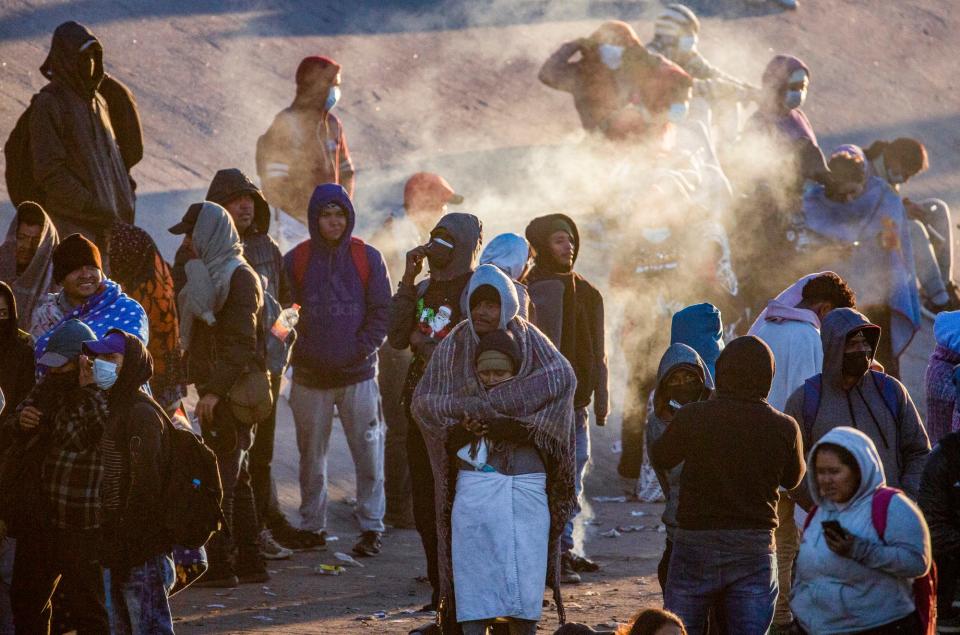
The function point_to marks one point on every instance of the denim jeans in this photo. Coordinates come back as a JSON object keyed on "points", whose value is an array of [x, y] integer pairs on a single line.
{"points": [[140, 605], [582, 418], [743, 584]]}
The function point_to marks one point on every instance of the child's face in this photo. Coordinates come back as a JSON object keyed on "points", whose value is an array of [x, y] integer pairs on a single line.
{"points": [[494, 377]]}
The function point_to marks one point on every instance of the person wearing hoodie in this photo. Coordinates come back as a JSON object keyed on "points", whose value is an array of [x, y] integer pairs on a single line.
{"points": [[857, 225], [682, 378], [338, 296], [244, 201], [17, 373], [849, 577], [75, 156], [940, 380], [26, 258], [421, 315], [737, 451], [305, 145], [849, 393], [495, 407], [939, 500], [511, 254], [136, 451], [219, 308], [790, 326], [570, 313], [425, 199]]}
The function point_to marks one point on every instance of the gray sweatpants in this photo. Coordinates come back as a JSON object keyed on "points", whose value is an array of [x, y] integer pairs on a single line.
{"points": [[359, 408]]}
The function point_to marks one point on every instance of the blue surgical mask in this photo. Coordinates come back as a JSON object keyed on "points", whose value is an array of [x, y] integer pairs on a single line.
{"points": [[611, 56], [104, 374], [678, 112], [332, 97], [793, 99], [687, 43]]}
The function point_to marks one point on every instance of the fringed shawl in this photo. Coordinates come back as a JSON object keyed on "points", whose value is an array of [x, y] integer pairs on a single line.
{"points": [[540, 397]]}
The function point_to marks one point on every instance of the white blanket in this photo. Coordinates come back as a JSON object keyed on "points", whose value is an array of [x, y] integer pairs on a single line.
{"points": [[500, 531]]}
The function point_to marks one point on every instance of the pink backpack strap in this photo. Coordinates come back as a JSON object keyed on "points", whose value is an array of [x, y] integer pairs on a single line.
{"points": [[809, 518], [879, 508]]}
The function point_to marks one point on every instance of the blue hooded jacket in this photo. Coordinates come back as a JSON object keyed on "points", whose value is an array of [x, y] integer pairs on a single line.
{"points": [[699, 327], [342, 324]]}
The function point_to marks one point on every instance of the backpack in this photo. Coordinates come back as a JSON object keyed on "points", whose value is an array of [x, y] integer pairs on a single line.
{"points": [[301, 258], [812, 388], [21, 186], [924, 588], [192, 493]]}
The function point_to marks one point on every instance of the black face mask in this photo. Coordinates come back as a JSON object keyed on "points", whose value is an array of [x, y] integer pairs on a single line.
{"points": [[856, 364], [61, 382], [6, 327], [687, 393]]}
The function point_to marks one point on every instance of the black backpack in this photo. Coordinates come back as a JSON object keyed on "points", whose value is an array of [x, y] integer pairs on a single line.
{"points": [[192, 493], [21, 186]]}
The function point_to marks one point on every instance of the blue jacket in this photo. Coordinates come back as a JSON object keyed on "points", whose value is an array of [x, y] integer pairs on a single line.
{"points": [[342, 324], [699, 326]]}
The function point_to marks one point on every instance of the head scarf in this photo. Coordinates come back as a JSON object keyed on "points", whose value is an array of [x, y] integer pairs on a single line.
{"points": [[37, 279]]}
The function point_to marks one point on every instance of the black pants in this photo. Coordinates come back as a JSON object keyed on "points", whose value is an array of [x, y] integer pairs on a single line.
{"points": [[393, 370], [424, 512], [948, 571], [261, 458], [41, 560]]}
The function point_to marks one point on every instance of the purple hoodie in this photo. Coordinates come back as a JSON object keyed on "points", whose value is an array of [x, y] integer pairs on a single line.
{"points": [[771, 115], [342, 324]]}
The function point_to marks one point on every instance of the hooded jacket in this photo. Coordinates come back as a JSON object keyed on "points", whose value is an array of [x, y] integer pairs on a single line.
{"points": [[36, 280], [342, 322], [73, 148], [510, 253], [873, 586], [17, 369], [136, 452], [771, 116], [736, 449], [570, 313], [699, 326], [305, 145], [444, 287], [260, 250], [677, 357], [899, 437], [939, 497], [943, 416]]}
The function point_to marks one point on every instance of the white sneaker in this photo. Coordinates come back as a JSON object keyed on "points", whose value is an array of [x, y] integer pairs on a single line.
{"points": [[270, 549]]}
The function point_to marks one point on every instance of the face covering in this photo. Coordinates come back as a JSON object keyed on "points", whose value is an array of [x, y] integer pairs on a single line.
{"points": [[796, 92], [61, 382], [104, 374], [611, 56], [332, 98], [687, 43], [687, 393], [678, 112], [856, 364]]}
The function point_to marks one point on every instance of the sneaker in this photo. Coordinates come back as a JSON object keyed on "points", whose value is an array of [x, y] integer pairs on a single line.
{"points": [[581, 564], [567, 573], [213, 579], [252, 570], [270, 549], [297, 539], [369, 544]]}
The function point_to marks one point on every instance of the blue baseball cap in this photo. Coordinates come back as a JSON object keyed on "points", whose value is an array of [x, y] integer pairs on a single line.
{"points": [[112, 342], [66, 343]]}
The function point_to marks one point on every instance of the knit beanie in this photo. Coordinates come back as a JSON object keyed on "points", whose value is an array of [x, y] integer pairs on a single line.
{"points": [[74, 252], [494, 347]]}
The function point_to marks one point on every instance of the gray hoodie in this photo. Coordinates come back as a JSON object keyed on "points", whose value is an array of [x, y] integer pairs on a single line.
{"points": [[899, 437], [873, 586], [677, 356]]}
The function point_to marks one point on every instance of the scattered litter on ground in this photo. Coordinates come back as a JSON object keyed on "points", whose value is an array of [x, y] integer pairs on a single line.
{"points": [[609, 499], [328, 569], [661, 529], [262, 618], [347, 559], [613, 533], [216, 606], [638, 513], [616, 447], [626, 529]]}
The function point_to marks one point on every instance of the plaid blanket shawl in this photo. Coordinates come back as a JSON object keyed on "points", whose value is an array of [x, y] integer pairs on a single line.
{"points": [[540, 396]]}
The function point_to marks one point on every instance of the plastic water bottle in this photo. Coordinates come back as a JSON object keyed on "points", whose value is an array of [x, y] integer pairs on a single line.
{"points": [[285, 322]]}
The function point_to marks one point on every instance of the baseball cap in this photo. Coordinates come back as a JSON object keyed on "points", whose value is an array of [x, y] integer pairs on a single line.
{"points": [[112, 342], [426, 190], [185, 226], [66, 343]]}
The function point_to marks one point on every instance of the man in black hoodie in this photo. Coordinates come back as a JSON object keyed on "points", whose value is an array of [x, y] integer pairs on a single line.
{"points": [[570, 313], [136, 451], [75, 156], [422, 314], [736, 450], [939, 500], [17, 370]]}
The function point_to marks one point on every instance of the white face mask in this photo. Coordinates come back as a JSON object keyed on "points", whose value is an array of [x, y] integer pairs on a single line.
{"points": [[611, 56], [687, 43], [104, 374], [332, 97], [678, 112]]}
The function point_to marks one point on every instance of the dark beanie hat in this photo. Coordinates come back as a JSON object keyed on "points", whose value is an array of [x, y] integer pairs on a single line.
{"points": [[503, 342], [484, 292], [74, 252]]}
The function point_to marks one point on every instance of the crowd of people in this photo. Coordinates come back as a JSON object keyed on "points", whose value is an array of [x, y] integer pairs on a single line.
{"points": [[802, 495]]}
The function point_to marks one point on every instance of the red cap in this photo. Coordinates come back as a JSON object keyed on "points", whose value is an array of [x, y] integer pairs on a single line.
{"points": [[320, 62], [426, 190]]}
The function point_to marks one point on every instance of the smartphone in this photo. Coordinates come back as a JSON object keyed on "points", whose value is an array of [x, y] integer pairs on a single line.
{"points": [[834, 527]]}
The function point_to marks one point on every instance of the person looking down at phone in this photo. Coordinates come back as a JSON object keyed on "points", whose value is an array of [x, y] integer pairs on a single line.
{"points": [[849, 578]]}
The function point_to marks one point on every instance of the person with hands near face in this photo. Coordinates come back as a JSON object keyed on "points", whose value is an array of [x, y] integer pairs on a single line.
{"points": [[852, 576]]}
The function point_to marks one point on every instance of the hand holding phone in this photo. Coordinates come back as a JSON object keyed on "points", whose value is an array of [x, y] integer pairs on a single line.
{"points": [[839, 540], [834, 527]]}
